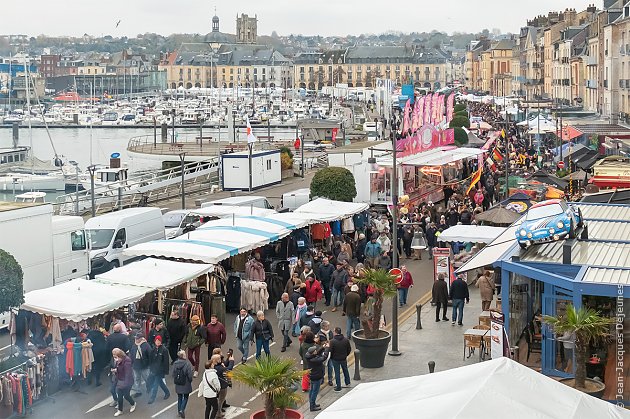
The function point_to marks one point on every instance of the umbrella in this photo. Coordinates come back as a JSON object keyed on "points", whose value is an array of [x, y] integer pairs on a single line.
{"points": [[519, 202], [498, 215]]}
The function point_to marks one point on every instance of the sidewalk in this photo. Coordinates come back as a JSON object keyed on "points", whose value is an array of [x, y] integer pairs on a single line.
{"points": [[436, 341]]}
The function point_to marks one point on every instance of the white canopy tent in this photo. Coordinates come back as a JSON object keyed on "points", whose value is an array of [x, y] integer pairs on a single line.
{"points": [[492, 389], [191, 249], [154, 273], [492, 252], [227, 210], [81, 299], [470, 233], [327, 210]]}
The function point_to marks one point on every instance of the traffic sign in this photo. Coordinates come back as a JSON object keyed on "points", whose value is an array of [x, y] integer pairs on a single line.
{"points": [[560, 165], [398, 274]]}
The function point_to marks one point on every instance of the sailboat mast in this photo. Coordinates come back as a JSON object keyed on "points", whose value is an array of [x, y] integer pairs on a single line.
{"points": [[28, 111]]}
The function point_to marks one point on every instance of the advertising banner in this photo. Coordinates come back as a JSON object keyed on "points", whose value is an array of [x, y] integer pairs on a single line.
{"points": [[442, 264], [450, 104], [428, 102], [499, 345], [425, 139]]}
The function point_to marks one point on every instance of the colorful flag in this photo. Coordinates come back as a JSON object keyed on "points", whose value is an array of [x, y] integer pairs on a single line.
{"points": [[251, 138], [497, 156], [503, 133], [414, 116], [491, 164], [475, 179], [420, 116], [434, 108], [427, 108], [450, 108]]}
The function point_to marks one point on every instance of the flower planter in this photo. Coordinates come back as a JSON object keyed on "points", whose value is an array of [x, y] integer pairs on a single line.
{"points": [[290, 414], [593, 387], [373, 351]]}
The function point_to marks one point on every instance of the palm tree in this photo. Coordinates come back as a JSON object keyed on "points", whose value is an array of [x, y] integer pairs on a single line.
{"points": [[274, 378], [383, 284], [588, 327]]}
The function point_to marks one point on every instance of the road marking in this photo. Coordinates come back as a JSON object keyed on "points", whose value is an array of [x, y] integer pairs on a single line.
{"points": [[171, 405], [251, 356], [104, 403]]}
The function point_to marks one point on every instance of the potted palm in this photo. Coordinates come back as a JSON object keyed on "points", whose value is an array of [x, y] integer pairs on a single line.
{"points": [[589, 328], [371, 340], [276, 379]]}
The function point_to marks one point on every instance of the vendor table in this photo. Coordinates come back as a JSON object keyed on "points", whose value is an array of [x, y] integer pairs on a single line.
{"points": [[473, 338]]}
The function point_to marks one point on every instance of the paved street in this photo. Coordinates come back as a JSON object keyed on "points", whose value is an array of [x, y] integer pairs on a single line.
{"points": [[93, 402]]}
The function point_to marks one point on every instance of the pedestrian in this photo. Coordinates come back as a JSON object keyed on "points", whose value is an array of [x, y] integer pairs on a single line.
{"points": [[123, 376], [140, 356], [182, 378], [385, 261], [209, 388], [352, 310], [215, 334], [486, 286], [339, 351], [243, 331], [316, 322], [440, 297], [193, 339], [404, 285], [176, 330], [316, 358], [360, 248], [384, 241], [325, 271], [118, 340], [325, 334], [296, 293], [159, 366], [223, 367], [407, 237], [307, 341], [308, 271], [431, 237], [340, 279], [263, 333], [100, 352], [459, 293], [294, 281], [306, 318], [313, 291], [159, 330], [300, 311], [116, 320], [373, 252], [285, 312]]}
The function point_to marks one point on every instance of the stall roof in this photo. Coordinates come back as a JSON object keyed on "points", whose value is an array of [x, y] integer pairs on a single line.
{"points": [[471, 233], [605, 212], [155, 273], [492, 252], [227, 210], [196, 250], [493, 388], [436, 157], [81, 299], [607, 276], [329, 210], [592, 253]]}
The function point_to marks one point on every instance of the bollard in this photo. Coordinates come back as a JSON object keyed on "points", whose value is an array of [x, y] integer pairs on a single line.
{"points": [[357, 359], [431, 367], [418, 321]]}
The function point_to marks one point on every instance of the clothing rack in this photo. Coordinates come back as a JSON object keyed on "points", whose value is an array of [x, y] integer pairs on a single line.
{"points": [[144, 315], [17, 368]]}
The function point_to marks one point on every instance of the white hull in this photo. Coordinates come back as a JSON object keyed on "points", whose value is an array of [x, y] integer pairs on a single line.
{"points": [[22, 182]]}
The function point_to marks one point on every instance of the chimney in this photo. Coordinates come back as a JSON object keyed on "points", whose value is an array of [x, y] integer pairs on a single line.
{"points": [[566, 251]]}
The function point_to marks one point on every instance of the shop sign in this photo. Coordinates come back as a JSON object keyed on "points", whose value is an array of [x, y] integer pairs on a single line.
{"points": [[426, 138], [499, 344]]}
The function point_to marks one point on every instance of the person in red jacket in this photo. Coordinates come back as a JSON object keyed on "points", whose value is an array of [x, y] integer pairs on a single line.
{"points": [[313, 291], [403, 287], [215, 334]]}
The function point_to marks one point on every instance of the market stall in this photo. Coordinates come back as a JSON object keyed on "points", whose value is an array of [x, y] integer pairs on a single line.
{"points": [[323, 210], [471, 234], [492, 388]]}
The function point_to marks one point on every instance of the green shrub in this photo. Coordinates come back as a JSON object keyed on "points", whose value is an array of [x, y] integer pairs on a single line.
{"points": [[461, 113], [460, 121], [336, 183], [459, 107], [461, 138], [286, 150], [11, 282]]}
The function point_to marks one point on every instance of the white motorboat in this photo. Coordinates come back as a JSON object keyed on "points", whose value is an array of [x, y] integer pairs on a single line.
{"points": [[31, 197], [28, 182]]}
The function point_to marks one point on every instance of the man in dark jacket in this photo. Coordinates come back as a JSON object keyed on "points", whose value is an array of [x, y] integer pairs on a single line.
{"points": [[159, 330], [431, 239], [440, 297], [176, 329], [340, 279], [316, 359], [360, 248], [459, 293], [140, 355], [316, 322], [118, 340], [324, 274], [159, 369], [452, 216], [101, 356], [352, 310], [215, 334], [339, 350]]}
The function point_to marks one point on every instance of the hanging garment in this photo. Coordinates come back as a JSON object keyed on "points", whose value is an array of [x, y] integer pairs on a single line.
{"points": [[320, 231], [57, 342], [335, 227], [70, 358], [347, 225]]}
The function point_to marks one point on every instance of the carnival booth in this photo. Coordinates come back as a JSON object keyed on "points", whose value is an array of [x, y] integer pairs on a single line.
{"points": [[492, 389]]}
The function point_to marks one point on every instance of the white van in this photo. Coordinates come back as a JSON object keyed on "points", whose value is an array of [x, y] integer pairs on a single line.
{"points": [[110, 233], [71, 258], [178, 222], [295, 199], [241, 201]]}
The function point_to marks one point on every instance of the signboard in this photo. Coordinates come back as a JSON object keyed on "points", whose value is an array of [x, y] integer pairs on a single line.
{"points": [[499, 344], [397, 273], [407, 90], [442, 264], [426, 138]]}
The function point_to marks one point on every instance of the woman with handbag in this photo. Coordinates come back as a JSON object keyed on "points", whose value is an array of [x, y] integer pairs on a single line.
{"points": [[209, 388], [486, 286], [263, 333]]}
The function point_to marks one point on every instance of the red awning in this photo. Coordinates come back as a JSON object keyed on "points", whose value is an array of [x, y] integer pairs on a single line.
{"points": [[569, 133]]}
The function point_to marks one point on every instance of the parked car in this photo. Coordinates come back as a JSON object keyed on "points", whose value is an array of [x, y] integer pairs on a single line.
{"points": [[549, 221]]}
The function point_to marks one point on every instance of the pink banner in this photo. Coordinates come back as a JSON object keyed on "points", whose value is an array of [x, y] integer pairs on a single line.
{"points": [[440, 111], [449, 108], [420, 116], [434, 108], [414, 116], [427, 109], [427, 138], [405, 126]]}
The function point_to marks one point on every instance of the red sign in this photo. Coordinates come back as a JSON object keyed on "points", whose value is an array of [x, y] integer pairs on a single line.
{"points": [[561, 165], [334, 134], [397, 273]]}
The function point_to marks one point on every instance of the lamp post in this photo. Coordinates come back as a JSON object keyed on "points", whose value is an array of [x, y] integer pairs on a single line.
{"points": [[92, 169], [76, 191], [182, 156], [394, 351], [173, 115], [154, 132]]}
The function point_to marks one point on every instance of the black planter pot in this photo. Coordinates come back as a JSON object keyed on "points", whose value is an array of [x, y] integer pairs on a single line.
{"points": [[373, 351], [599, 393]]}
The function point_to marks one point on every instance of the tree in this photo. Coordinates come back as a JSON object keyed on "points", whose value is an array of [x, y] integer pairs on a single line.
{"points": [[461, 113], [384, 285], [461, 138], [588, 327], [12, 282], [459, 107], [460, 121], [336, 183]]}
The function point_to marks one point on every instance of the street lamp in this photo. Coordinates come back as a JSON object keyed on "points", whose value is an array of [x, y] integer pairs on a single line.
{"points": [[394, 351], [182, 156]]}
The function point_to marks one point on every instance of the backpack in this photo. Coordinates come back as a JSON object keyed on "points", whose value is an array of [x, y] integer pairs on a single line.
{"points": [[179, 377]]}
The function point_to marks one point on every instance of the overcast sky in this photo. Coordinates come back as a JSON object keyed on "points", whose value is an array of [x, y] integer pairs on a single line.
{"points": [[324, 17]]}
